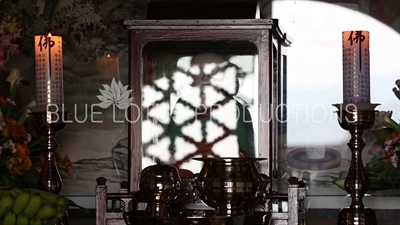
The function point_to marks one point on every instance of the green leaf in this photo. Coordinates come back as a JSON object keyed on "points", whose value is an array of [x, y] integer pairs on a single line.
{"points": [[393, 124], [22, 117], [13, 91], [382, 134], [340, 182]]}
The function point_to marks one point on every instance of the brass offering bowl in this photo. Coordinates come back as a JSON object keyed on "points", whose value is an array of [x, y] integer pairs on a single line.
{"points": [[230, 185], [160, 185]]}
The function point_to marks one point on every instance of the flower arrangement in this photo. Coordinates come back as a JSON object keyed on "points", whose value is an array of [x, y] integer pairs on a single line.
{"points": [[9, 33], [383, 168], [21, 152]]}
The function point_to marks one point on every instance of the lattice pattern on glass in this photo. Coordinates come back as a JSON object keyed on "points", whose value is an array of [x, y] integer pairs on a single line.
{"points": [[199, 108]]}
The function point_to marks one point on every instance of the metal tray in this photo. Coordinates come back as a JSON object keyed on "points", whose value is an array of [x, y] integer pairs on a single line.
{"points": [[197, 218]]}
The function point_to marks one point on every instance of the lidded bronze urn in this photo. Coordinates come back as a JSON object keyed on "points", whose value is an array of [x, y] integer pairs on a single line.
{"points": [[159, 186]]}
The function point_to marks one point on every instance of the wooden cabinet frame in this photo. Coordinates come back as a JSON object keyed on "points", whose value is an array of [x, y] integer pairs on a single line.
{"points": [[263, 33]]}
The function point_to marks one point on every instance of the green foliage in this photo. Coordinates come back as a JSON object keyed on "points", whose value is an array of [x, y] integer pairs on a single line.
{"points": [[380, 169]]}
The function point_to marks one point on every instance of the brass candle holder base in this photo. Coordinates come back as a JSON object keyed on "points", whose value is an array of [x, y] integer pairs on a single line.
{"points": [[354, 216], [356, 118], [49, 123]]}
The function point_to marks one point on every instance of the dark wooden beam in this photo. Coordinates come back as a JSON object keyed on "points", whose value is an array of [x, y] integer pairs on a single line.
{"points": [[204, 9]]}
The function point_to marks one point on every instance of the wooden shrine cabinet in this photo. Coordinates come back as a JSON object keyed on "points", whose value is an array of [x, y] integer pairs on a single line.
{"points": [[178, 68], [160, 52]]}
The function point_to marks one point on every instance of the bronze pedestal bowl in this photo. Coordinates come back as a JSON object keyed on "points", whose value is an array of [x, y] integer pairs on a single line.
{"points": [[230, 185]]}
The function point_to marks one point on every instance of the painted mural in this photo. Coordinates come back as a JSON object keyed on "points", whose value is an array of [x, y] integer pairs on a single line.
{"points": [[94, 53]]}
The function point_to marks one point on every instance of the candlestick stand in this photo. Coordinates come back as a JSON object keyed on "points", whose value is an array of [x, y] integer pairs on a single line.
{"points": [[356, 120], [50, 123]]}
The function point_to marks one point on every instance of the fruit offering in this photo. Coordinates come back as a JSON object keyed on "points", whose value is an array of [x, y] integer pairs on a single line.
{"points": [[30, 206]]}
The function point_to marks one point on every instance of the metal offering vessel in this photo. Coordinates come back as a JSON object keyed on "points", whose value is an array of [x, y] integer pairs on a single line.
{"points": [[230, 185], [160, 185]]}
